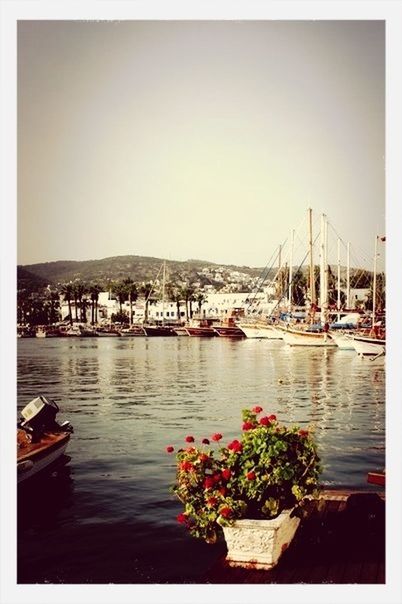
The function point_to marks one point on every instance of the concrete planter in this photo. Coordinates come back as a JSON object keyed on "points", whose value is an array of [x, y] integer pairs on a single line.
{"points": [[259, 543]]}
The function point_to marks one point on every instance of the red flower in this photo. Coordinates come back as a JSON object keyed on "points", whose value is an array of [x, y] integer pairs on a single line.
{"points": [[250, 475], [190, 449], [189, 439], [257, 409], [212, 501], [205, 441], [226, 473], [248, 426], [216, 436], [225, 512], [170, 449], [236, 446], [186, 466], [208, 482], [265, 421], [303, 432], [216, 477], [222, 491], [272, 418], [203, 457], [181, 518]]}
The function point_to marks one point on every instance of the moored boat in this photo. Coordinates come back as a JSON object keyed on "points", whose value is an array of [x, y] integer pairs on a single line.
{"points": [[369, 345], [158, 330], [41, 440], [201, 328], [295, 337], [229, 329]]}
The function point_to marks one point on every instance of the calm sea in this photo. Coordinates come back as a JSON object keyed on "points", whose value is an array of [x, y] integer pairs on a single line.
{"points": [[108, 515]]}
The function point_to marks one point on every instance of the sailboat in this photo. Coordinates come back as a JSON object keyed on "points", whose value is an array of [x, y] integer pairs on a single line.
{"points": [[374, 342], [160, 330], [314, 335]]}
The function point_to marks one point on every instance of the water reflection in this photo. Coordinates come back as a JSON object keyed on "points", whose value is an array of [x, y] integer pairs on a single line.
{"points": [[127, 398]]}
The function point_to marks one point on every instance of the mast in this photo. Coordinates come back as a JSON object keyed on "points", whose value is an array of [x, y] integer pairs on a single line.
{"points": [[374, 280], [312, 288], [292, 239], [163, 292], [322, 268], [338, 301], [280, 272], [348, 277]]}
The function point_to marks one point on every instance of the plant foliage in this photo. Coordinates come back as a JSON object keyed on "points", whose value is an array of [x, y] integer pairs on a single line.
{"points": [[271, 467]]}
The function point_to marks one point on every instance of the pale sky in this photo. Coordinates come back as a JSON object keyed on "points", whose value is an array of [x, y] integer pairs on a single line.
{"points": [[197, 139]]}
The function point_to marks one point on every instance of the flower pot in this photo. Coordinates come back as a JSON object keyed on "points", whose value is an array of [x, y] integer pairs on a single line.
{"points": [[259, 543]]}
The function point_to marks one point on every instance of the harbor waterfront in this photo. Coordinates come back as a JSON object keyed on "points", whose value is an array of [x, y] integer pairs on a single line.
{"points": [[107, 516]]}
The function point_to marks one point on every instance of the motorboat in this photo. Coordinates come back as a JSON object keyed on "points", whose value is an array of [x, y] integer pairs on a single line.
{"points": [[41, 440]]}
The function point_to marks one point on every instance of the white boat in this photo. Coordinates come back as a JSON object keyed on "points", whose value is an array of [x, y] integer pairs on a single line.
{"points": [[366, 345], [41, 441], [260, 330], [344, 340], [295, 337]]}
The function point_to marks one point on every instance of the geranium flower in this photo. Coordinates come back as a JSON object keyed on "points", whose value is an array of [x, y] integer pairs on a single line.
{"points": [[216, 477], [257, 409], [216, 436], [186, 466], [189, 439], [272, 418], [265, 421], [203, 457], [248, 426], [236, 446], [226, 473], [303, 432], [209, 482], [225, 512], [222, 491], [205, 441], [182, 518], [251, 475], [212, 501], [170, 449]]}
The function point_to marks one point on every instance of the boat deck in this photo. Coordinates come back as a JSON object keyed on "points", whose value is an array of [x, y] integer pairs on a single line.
{"points": [[341, 541]]}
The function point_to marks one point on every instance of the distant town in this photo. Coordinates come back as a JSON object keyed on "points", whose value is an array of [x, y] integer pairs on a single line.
{"points": [[134, 289]]}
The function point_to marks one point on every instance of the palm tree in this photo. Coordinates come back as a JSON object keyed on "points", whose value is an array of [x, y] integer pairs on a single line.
{"points": [[187, 293], [94, 291], [200, 298], [146, 290], [78, 291], [67, 291], [174, 295], [119, 290], [132, 292]]}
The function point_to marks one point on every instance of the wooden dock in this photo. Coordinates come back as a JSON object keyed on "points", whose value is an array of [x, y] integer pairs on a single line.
{"points": [[342, 540]]}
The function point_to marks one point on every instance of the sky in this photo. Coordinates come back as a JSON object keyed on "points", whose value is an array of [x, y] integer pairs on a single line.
{"points": [[198, 139]]}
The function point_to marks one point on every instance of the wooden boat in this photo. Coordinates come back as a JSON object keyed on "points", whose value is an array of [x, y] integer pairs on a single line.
{"points": [[134, 330], [41, 441], [260, 330], [229, 329], [202, 328], [376, 478], [366, 345], [305, 337], [158, 330]]}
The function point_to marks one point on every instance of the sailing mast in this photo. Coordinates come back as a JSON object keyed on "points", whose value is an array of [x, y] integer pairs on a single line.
{"points": [[312, 286], [323, 270], [348, 277], [338, 301], [163, 292], [375, 280], [292, 238]]}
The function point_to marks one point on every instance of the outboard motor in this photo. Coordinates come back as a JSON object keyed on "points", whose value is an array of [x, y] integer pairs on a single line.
{"points": [[39, 416]]}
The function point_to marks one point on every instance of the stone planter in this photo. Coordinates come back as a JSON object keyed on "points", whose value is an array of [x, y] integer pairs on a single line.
{"points": [[259, 543]]}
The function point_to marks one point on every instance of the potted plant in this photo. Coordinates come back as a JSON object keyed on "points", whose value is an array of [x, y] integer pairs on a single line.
{"points": [[252, 488]]}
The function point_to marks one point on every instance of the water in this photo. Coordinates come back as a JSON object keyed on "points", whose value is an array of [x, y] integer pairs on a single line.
{"points": [[108, 515]]}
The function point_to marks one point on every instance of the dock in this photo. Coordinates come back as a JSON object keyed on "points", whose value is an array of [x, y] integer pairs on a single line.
{"points": [[340, 541]]}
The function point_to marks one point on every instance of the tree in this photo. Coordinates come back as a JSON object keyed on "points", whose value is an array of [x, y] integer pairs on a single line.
{"points": [[146, 290], [94, 291], [200, 298], [119, 290], [174, 295], [67, 292], [132, 293], [187, 293]]}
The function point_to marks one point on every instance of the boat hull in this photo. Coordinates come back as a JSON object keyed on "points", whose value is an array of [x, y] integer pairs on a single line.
{"points": [[229, 332], [368, 346], [261, 331], [344, 341], [152, 331], [294, 338], [203, 332], [35, 458]]}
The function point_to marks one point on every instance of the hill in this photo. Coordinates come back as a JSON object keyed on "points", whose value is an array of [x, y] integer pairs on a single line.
{"points": [[139, 268]]}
